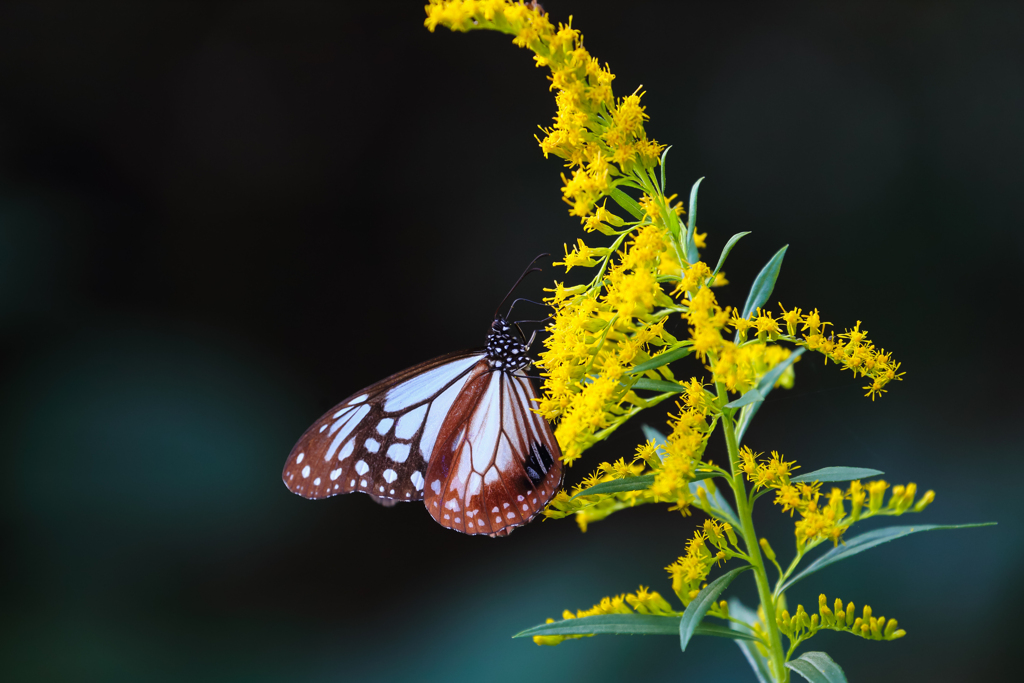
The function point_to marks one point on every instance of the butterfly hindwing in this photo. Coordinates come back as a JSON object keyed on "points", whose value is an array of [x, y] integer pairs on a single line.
{"points": [[380, 440], [496, 463]]}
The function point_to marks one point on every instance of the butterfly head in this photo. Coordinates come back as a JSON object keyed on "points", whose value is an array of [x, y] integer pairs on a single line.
{"points": [[505, 351]]}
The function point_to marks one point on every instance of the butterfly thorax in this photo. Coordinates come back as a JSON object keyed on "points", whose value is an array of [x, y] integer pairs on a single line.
{"points": [[504, 350]]}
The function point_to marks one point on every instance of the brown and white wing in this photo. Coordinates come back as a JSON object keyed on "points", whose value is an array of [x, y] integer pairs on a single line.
{"points": [[496, 463], [379, 440]]}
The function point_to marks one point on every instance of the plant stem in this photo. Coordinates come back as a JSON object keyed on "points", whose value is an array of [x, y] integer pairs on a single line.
{"points": [[743, 511]]}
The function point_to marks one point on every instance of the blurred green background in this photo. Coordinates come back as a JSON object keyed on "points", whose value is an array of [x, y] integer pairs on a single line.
{"points": [[217, 220]]}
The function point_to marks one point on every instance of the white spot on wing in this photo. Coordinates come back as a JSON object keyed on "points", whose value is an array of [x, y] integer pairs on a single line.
{"points": [[361, 467], [384, 425], [298, 460], [358, 399], [410, 422], [316, 482], [435, 486], [390, 476], [305, 472], [346, 450], [398, 452], [372, 445], [417, 480], [335, 474]]}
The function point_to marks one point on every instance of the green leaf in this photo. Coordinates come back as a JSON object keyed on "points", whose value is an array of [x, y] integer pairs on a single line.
{"points": [[752, 396], [658, 385], [627, 203], [867, 541], [765, 386], [664, 158], [639, 483], [663, 359], [720, 507], [626, 624], [691, 247], [700, 605], [725, 252], [838, 474], [764, 283], [756, 660], [817, 667], [767, 382]]}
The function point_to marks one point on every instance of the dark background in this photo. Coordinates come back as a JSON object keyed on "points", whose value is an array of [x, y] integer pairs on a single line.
{"points": [[217, 220]]}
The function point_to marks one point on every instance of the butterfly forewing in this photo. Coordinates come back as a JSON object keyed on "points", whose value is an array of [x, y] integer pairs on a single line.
{"points": [[380, 440], [496, 463]]}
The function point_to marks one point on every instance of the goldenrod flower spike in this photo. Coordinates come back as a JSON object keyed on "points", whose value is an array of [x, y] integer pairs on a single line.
{"points": [[612, 342]]}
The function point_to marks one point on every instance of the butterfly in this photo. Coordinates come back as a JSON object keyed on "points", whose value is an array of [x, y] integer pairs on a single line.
{"points": [[456, 432]]}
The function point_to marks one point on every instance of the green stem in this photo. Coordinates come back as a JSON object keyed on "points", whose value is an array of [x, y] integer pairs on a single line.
{"points": [[743, 511]]}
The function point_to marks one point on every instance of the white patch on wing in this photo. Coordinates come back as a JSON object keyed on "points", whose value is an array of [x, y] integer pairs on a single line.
{"points": [[384, 425], [358, 399], [336, 473], [417, 480], [372, 445], [316, 482], [491, 476], [305, 472], [361, 467], [438, 411], [390, 475], [476, 483], [346, 450], [298, 460], [485, 425], [423, 386], [353, 422], [398, 452], [435, 486], [410, 422]]}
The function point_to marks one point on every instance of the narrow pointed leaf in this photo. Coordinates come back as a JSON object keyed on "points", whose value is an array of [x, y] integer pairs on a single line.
{"points": [[767, 383], [664, 158], [627, 203], [765, 386], [725, 252], [752, 396], [867, 541], [756, 660], [817, 667], [764, 283], [700, 605], [691, 247], [838, 474], [658, 385], [720, 507], [639, 483], [626, 624], [663, 359]]}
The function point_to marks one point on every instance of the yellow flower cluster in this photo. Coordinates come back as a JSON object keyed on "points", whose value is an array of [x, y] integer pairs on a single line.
{"points": [[852, 350], [598, 335], [600, 137], [689, 571], [641, 602], [684, 447], [595, 507], [801, 626], [828, 520]]}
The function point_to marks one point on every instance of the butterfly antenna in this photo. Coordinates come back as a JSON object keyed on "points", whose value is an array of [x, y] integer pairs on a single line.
{"points": [[529, 269]]}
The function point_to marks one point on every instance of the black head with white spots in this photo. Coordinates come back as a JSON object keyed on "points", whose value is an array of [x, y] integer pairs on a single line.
{"points": [[505, 350]]}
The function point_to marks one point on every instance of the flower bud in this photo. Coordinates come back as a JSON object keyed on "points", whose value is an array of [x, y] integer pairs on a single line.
{"points": [[925, 501], [769, 553], [890, 628], [850, 614]]}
